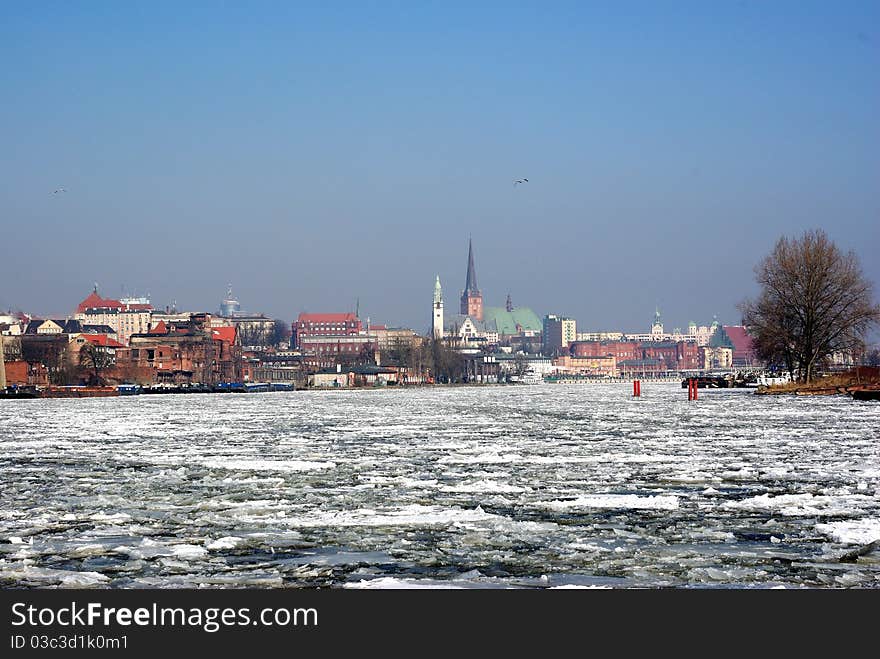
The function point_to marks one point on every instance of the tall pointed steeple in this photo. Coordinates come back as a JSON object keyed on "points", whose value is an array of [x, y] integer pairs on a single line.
{"points": [[471, 298], [470, 285]]}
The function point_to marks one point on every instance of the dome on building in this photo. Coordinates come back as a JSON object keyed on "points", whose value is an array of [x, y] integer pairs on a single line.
{"points": [[230, 306]]}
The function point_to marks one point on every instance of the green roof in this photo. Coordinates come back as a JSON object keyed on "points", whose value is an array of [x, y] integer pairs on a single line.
{"points": [[506, 321], [720, 339]]}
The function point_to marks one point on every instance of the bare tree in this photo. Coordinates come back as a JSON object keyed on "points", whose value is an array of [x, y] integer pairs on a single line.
{"points": [[280, 332], [520, 364], [94, 360], [251, 335], [814, 302]]}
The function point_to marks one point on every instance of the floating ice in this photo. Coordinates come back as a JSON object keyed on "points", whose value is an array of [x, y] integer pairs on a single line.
{"points": [[383, 487], [800, 504], [267, 465], [630, 501], [226, 542], [858, 532], [188, 551], [386, 583], [487, 486]]}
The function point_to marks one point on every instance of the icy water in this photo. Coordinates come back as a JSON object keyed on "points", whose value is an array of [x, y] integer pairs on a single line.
{"points": [[518, 486]]}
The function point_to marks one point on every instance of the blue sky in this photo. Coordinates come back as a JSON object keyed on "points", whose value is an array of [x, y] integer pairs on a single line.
{"points": [[316, 154]]}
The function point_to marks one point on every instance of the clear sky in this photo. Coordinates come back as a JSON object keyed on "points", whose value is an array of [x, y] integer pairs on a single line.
{"points": [[316, 154]]}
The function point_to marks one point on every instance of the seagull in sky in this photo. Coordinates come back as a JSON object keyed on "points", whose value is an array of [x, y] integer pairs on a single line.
{"points": [[520, 180], [59, 190]]}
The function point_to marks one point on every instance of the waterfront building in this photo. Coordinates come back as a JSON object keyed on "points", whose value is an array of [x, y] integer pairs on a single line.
{"points": [[283, 366], [642, 368], [181, 354], [601, 366], [510, 363], [23, 373]]}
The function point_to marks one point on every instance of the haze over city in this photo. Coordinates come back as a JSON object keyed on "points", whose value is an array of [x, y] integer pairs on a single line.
{"points": [[316, 156]]}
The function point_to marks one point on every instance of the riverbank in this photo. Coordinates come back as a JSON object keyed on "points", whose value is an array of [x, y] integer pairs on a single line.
{"points": [[853, 383]]}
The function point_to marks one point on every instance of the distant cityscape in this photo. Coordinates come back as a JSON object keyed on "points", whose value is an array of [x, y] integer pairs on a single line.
{"points": [[108, 341]]}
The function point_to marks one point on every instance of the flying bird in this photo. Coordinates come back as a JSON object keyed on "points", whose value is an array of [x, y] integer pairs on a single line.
{"points": [[520, 180], [59, 190]]}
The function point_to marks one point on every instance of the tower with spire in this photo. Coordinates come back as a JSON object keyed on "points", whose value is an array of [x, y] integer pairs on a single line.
{"points": [[230, 306], [437, 326], [471, 298], [657, 326]]}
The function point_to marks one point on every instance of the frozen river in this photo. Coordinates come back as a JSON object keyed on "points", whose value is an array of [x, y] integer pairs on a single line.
{"points": [[516, 486]]}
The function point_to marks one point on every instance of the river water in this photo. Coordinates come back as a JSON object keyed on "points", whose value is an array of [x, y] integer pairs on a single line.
{"points": [[478, 487]]}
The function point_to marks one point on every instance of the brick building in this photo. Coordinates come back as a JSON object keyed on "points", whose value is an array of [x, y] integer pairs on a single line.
{"points": [[673, 355], [21, 373], [677, 355], [621, 350], [311, 325], [174, 354]]}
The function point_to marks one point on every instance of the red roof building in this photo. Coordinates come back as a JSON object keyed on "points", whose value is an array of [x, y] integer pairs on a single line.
{"points": [[225, 333], [102, 340], [743, 350], [131, 316], [95, 301]]}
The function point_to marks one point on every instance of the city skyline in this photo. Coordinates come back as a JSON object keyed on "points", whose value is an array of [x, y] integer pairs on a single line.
{"points": [[231, 296], [318, 156]]}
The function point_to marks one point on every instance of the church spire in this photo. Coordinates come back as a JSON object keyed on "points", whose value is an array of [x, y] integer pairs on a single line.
{"points": [[471, 282], [471, 298]]}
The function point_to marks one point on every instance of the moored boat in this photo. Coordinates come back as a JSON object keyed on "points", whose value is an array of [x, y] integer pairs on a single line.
{"points": [[865, 394], [78, 392]]}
